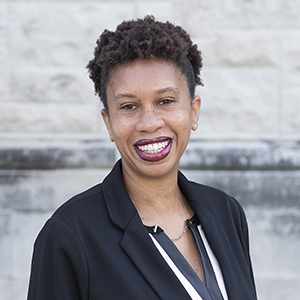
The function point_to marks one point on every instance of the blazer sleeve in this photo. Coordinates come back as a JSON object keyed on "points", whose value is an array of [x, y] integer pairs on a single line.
{"points": [[59, 267], [245, 238]]}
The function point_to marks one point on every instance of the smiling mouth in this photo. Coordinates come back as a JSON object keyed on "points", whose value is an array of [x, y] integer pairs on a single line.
{"points": [[154, 147]]}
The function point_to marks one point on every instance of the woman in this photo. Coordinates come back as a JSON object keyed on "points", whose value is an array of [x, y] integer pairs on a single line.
{"points": [[146, 232]]}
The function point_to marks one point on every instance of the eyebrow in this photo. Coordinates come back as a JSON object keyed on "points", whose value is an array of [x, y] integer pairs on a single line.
{"points": [[158, 92], [167, 89], [119, 96]]}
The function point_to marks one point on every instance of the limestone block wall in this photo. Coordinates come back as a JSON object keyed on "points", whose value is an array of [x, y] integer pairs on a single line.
{"points": [[53, 143]]}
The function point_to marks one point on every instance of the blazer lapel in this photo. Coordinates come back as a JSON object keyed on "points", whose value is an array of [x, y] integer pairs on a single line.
{"points": [[221, 247], [140, 248], [136, 241], [232, 263]]}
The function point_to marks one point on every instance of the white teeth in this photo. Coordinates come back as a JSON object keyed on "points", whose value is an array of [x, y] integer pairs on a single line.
{"points": [[154, 148]]}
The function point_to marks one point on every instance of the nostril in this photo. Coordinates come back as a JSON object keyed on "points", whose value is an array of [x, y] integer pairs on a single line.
{"points": [[149, 122]]}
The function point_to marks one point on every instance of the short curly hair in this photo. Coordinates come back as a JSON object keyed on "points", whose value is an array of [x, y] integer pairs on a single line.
{"points": [[144, 39]]}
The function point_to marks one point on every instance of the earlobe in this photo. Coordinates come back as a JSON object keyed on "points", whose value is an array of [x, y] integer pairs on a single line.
{"points": [[105, 117]]}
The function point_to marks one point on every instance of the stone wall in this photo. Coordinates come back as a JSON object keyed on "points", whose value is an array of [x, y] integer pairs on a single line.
{"points": [[53, 142]]}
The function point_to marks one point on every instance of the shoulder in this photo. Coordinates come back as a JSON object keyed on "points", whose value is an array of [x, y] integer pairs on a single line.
{"points": [[88, 210], [221, 205], [212, 196], [77, 214], [207, 195], [75, 221], [91, 201], [81, 204], [83, 198], [214, 206], [215, 199]]}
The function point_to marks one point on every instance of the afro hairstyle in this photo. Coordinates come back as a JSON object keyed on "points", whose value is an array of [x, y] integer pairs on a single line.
{"points": [[144, 39]]}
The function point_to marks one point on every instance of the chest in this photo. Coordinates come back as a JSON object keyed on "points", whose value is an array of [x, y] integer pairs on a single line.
{"points": [[189, 249]]}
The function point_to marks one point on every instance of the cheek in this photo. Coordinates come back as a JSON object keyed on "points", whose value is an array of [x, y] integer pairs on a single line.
{"points": [[181, 124], [183, 119], [121, 127]]}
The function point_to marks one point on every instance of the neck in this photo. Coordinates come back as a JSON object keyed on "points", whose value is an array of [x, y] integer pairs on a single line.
{"points": [[157, 199]]}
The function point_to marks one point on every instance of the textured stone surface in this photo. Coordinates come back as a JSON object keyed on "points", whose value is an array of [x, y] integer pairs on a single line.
{"points": [[258, 13], [4, 53], [162, 10], [199, 18], [48, 117], [290, 45], [271, 231], [65, 85], [44, 190], [26, 228], [5, 288], [250, 48], [97, 152], [61, 34], [283, 288], [291, 109], [290, 81], [267, 189], [229, 155], [53, 143], [5, 245], [246, 103], [275, 252], [13, 289], [253, 73], [56, 155]]}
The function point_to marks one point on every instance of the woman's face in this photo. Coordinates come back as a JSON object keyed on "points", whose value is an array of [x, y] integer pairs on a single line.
{"points": [[150, 116]]}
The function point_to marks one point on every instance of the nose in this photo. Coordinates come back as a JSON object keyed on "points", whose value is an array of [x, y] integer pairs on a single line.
{"points": [[149, 120]]}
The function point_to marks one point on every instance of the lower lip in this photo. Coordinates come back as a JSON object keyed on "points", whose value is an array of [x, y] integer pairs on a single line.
{"points": [[152, 157]]}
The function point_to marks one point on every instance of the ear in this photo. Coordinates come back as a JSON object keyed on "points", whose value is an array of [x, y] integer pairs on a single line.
{"points": [[105, 117], [196, 104]]}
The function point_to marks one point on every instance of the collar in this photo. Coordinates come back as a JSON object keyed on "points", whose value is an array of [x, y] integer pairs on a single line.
{"points": [[118, 202]]}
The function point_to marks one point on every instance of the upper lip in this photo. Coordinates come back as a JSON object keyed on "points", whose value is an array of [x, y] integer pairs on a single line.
{"points": [[152, 141]]}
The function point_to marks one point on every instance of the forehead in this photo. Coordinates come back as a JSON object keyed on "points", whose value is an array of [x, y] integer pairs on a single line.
{"points": [[146, 74]]}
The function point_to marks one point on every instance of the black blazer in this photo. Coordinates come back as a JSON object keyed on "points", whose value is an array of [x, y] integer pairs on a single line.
{"points": [[96, 247]]}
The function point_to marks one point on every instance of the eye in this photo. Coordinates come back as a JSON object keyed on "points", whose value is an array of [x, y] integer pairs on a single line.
{"points": [[165, 101], [129, 107]]}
